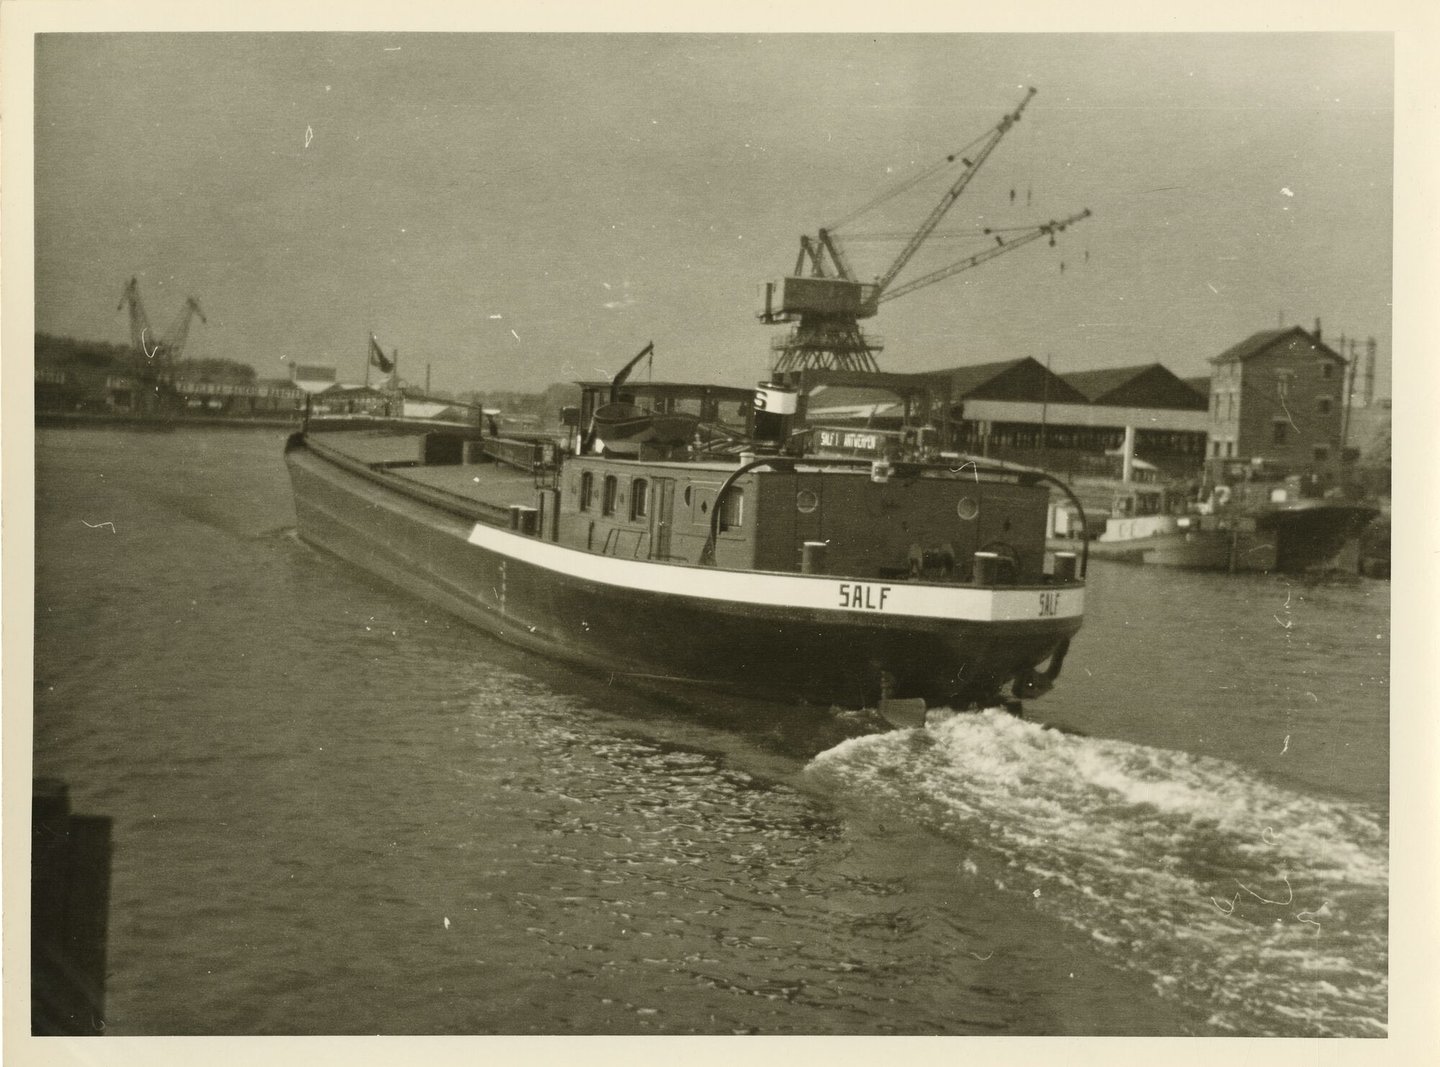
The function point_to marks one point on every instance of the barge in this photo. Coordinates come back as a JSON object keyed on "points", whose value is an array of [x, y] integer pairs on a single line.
{"points": [[712, 540], [1271, 530]]}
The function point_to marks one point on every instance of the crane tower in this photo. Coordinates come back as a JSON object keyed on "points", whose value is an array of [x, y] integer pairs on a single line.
{"points": [[154, 357]]}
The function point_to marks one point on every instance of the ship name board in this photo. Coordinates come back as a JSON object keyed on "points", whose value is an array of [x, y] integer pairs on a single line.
{"points": [[850, 441], [861, 596]]}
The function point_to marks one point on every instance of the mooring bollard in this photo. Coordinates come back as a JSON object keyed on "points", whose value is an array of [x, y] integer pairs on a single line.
{"points": [[812, 557], [987, 567]]}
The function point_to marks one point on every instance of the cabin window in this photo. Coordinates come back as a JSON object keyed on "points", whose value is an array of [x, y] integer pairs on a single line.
{"points": [[1323, 404], [734, 513], [639, 499], [1277, 432], [612, 487], [587, 491]]}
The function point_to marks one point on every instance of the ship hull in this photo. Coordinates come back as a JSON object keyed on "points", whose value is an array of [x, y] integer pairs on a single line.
{"points": [[1288, 539], [798, 640]]}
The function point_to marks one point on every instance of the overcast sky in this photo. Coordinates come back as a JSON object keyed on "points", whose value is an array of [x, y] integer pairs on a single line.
{"points": [[514, 210]]}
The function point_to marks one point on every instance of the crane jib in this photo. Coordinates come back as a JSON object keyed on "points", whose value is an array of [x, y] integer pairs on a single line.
{"points": [[952, 194]]}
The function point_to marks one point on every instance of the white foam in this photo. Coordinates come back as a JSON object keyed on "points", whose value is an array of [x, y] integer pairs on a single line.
{"points": [[1268, 902]]}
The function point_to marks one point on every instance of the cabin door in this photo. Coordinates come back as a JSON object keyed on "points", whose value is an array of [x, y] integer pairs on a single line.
{"points": [[662, 518]]}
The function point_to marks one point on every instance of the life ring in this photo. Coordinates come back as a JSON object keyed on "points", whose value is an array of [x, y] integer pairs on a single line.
{"points": [[1222, 494]]}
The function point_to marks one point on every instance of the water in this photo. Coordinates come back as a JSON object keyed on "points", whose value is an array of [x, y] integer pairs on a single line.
{"points": [[338, 812]]}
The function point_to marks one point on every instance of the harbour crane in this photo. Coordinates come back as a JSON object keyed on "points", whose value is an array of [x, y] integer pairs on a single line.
{"points": [[155, 356], [826, 301]]}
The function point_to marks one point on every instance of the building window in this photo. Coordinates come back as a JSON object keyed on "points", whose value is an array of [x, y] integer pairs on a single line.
{"points": [[1282, 382], [1230, 449], [587, 491], [1323, 403], [1277, 432], [639, 499], [612, 488], [1327, 370], [1322, 453]]}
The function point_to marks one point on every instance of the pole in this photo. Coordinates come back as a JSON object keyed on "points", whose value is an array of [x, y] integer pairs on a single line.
{"points": [[369, 343], [1044, 407], [1349, 399]]}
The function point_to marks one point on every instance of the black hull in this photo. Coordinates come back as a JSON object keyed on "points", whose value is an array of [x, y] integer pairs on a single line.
{"points": [[1291, 539], [1310, 535], [661, 640]]}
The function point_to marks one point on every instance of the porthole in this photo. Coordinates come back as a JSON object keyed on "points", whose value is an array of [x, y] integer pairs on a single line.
{"points": [[967, 508], [806, 501]]}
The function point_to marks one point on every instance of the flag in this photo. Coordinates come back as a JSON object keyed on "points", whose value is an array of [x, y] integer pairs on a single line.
{"points": [[377, 356]]}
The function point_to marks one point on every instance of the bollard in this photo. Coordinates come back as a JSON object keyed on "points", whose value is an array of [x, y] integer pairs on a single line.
{"points": [[987, 567], [812, 557], [1065, 564]]}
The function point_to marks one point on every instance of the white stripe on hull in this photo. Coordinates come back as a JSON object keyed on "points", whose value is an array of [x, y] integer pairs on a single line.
{"points": [[816, 592]]}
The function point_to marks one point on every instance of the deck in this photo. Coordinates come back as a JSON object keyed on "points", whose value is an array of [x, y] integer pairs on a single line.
{"points": [[485, 483]]}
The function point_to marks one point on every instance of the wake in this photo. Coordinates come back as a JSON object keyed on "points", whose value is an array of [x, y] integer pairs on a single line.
{"points": [[1267, 905]]}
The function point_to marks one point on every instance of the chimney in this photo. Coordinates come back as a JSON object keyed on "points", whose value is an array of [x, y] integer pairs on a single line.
{"points": [[1317, 328]]}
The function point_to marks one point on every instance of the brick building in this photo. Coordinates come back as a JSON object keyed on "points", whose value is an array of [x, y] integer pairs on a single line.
{"points": [[1277, 403]]}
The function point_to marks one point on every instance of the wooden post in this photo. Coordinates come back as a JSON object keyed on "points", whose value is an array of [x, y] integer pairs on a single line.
{"points": [[69, 914]]}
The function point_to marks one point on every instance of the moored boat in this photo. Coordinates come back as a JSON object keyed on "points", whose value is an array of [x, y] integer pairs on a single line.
{"points": [[1263, 530], [757, 557]]}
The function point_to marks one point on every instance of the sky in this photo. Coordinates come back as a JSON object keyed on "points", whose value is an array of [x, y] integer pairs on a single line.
{"points": [[513, 210]]}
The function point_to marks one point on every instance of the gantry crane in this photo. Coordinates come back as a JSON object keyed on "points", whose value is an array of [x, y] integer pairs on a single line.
{"points": [[825, 300], [154, 358]]}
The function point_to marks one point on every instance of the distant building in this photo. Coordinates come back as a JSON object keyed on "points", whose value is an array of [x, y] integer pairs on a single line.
{"points": [[1277, 405], [1148, 385], [313, 377], [1074, 424], [1079, 423]]}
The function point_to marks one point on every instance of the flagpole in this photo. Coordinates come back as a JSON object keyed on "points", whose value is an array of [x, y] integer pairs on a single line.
{"points": [[367, 361]]}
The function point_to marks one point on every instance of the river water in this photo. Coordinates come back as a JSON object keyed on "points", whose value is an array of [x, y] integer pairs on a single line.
{"points": [[338, 812]]}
